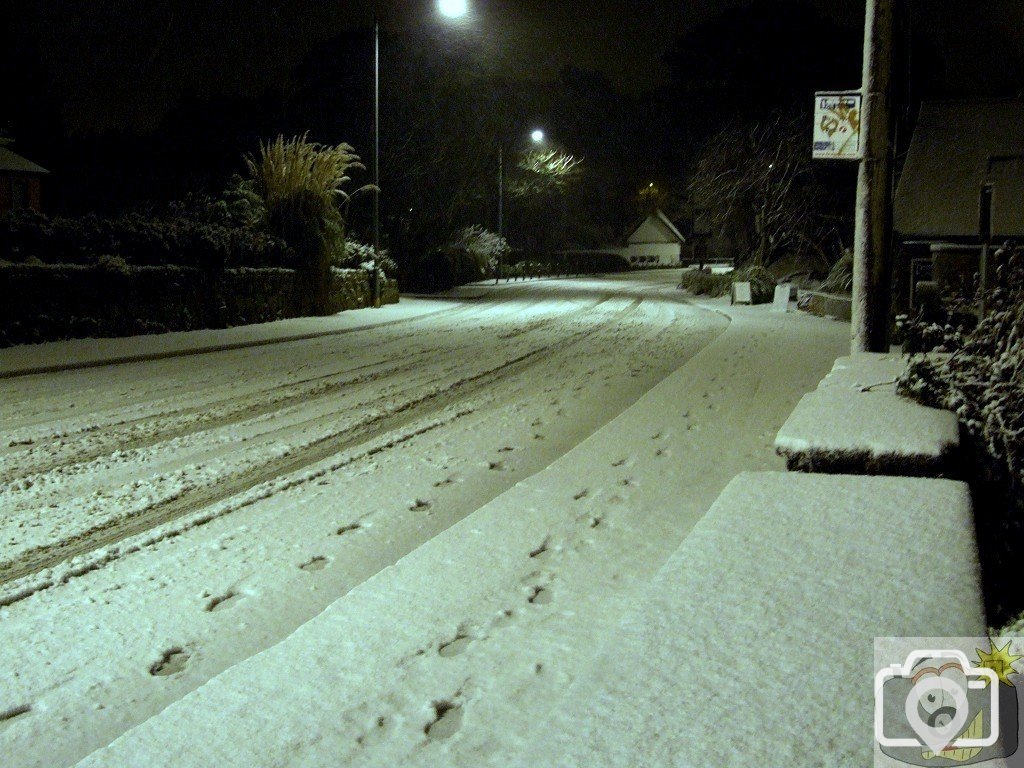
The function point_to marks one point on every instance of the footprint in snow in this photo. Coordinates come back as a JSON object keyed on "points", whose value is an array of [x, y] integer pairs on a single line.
{"points": [[420, 504], [618, 463], [447, 720], [224, 601], [446, 481], [172, 662], [455, 646], [506, 449], [349, 528], [540, 596], [504, 618], [9, 715], [497, 466], [318, 563], [581, 495], [376, 734], [545, 546]]}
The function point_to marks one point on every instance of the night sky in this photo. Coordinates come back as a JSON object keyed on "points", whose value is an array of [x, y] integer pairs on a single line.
{"points": [[122, 64]]}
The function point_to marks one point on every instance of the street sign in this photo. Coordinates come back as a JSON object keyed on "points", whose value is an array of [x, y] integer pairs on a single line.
{"points": [[837, 125]]}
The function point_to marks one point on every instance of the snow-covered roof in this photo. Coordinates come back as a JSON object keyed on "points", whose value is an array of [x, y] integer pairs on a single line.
{"points": [[12, 162], [957, 146], [656, 228]]}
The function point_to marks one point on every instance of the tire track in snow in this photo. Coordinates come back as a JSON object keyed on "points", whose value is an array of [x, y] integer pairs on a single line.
{"points": [[441, 397], [37, 456]]}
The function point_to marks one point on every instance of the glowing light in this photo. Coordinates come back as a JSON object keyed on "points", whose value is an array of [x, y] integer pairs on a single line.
{"points": [[537, 136], [453, 9]]}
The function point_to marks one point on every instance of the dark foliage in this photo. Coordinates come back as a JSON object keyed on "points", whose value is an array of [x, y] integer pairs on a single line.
{"points": [[138, 240], [982, 381]]}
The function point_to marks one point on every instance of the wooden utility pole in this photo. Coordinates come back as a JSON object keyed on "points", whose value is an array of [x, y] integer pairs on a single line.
{"points": [[872, 258]]}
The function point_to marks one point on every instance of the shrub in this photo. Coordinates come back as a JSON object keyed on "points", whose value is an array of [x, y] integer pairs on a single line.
{"points": [[840, 277], [483, 248], [357, 255], [705, 283], [139, 241], [300, 184], [982, 381]]}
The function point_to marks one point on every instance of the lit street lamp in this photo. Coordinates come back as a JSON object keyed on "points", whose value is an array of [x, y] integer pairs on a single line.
{"points": [[451, 9]]}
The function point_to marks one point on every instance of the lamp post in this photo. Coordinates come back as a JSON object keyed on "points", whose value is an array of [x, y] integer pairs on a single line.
{"points": [[376, 158], [537, 136], [451, 9]]}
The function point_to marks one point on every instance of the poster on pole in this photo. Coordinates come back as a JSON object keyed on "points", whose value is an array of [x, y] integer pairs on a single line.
{"points": [[837, 125]]}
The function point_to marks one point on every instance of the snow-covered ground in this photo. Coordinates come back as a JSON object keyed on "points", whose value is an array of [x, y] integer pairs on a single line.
{"points": [[464, 502]]}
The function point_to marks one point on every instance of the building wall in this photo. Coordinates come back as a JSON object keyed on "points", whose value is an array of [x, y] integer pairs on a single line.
{"points": [[660, 254], [17, 191]]}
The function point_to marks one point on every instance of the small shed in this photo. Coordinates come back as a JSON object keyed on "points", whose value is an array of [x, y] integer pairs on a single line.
{"points": [[655, 242], [20, 182], [959, 148]]}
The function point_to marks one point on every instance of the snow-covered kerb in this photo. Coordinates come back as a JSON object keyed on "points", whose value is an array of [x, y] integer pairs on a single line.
{"points": [[753, 645], [855, 422]]}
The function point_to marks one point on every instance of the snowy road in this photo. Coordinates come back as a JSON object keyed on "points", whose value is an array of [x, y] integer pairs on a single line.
{"points": [[163, 521]]}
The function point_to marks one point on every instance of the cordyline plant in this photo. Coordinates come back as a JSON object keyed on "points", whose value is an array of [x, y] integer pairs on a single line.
{"points": [[301, 183]]}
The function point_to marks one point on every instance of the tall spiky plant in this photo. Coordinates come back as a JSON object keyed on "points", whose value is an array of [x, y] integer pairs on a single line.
{"points": [[301, 185]]}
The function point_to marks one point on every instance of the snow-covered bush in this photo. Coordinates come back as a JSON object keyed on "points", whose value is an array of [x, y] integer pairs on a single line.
{"points": [[705, 283], [486, 248], [357, 255], [982, 381]]}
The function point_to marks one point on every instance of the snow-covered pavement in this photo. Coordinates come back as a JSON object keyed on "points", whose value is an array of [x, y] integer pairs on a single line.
{"points": [[427, 491]]}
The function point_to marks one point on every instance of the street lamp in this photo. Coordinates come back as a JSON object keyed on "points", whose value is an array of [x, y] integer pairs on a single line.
{"points": [[537, 136], [451, 9]]}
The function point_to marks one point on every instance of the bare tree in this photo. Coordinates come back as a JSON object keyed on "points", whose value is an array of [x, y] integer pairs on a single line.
{"points": [[759, 177]]}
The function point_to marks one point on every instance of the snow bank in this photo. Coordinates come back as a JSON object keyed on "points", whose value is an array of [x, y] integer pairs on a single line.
{"points": [[753, 645], [855, 422]]}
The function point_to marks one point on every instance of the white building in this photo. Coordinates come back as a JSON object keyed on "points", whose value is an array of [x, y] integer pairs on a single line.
{"points": [[656, 242]]}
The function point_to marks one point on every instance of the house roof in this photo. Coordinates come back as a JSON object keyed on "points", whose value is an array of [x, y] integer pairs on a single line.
{"points": [[656, 228], [12, 162], [957, 146]]}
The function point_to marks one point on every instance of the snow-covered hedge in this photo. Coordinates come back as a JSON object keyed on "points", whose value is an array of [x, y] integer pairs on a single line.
{"points": [[982, 381], [30, 237]]}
